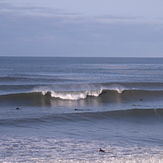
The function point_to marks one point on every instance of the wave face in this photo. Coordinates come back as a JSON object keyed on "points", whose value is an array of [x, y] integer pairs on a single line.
{"points": [[100, 94]]}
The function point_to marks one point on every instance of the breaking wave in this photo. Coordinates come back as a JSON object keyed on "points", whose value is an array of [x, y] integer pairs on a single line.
{"points": [[57, 98], [77, 94], [87, 94]]}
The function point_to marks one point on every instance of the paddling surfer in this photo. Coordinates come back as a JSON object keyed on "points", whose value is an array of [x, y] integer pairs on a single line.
{"points": [[101, 150]]}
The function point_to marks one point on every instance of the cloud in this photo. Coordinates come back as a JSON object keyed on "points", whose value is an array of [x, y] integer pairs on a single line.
{"points": [[33, 21]]}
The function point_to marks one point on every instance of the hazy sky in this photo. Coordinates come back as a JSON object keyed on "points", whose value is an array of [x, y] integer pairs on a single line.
{"points": [[108, 28]]}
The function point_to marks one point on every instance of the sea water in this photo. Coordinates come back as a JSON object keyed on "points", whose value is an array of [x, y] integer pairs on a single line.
{"points": [[55, 109]]}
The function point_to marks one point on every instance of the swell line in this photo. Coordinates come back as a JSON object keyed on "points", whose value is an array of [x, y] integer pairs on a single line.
{"points": [[144, 114]]}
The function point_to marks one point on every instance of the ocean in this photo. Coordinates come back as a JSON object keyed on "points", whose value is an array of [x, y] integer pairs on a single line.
{"points": [[62, 110]]}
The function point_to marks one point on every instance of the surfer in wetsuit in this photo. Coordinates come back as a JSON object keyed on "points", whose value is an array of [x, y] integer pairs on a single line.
{"points": [[100, 150]]}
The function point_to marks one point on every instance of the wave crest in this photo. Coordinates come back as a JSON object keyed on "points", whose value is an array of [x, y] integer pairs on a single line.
{"points": [[77, 93]]}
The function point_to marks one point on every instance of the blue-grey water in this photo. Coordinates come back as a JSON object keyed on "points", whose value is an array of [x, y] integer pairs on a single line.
{"points": [[55, 109]]}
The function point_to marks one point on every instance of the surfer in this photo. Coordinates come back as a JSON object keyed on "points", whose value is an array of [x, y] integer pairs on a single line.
{"points": [[17, 109], [101, 150]]}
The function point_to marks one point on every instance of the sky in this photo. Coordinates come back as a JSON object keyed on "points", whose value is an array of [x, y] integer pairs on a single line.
{"points": [[87, 28]]}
